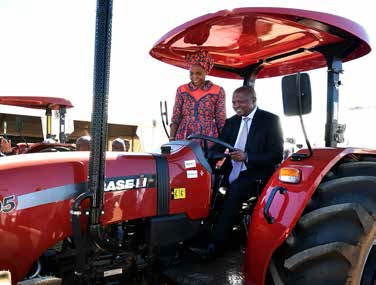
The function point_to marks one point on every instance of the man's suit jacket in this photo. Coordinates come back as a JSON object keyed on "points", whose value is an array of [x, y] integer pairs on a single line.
{"points": [[264, 146]]}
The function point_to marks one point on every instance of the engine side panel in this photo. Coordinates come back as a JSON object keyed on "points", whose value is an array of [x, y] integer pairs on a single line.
{"points": [[44, 186], [37, 191], [42, 192], [189, 176], [130, 189], [264, 238]]}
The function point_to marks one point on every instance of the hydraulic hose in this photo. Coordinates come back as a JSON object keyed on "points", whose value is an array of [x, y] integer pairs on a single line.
{"points": [[76, 230]]}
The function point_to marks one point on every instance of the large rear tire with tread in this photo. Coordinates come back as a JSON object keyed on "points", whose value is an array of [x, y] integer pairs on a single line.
{"points": [[333, 242]]}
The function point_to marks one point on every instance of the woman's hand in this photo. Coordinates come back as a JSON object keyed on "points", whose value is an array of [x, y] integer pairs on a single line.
{"points": [[173, 129]]}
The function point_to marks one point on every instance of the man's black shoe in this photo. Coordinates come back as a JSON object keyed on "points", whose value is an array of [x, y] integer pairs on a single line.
{"points": [[205, 253]]}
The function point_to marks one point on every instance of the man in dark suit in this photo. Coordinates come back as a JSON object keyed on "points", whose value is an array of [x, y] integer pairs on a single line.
{"points": [[257, 138]]}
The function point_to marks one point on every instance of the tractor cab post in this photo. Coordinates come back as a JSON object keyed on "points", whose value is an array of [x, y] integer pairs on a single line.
{"points": [[48, 123], [62, 110]]}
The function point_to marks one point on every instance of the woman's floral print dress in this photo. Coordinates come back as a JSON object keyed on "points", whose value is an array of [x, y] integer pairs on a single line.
{"points": [[199, 110]]}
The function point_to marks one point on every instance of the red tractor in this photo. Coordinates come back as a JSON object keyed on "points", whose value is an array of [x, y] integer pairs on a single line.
{"points": [[48, 104], [111, 218]]}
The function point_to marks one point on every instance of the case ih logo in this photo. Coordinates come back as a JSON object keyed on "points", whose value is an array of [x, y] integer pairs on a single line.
{"points": [[129, 182]]}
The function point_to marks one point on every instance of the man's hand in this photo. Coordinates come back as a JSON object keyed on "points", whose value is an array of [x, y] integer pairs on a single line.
{"points": [[238, 155]]}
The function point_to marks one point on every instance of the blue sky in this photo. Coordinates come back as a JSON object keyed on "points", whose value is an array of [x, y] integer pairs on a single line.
{"points": [[48, 49]]}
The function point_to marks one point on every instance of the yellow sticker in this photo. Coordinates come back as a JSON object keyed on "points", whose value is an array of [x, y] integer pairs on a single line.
{"points": [[178, 193]]}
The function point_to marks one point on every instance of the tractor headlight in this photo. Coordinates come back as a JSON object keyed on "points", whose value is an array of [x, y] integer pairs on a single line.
{"points": [[289, 175]]}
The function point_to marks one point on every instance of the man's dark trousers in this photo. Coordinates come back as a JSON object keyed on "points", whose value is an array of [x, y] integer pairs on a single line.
{"points": [[243, 188]]}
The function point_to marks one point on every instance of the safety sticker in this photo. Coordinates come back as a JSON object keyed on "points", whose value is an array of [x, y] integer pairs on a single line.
{"points": [[192, 174], [178, 193], [112, 272], [190, 163]]}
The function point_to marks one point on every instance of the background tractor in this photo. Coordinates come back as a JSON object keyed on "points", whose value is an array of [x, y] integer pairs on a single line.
{"points": [[53, 142]]}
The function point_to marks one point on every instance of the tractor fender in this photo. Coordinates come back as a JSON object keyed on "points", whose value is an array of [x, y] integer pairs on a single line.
{"points": [[264, 236]]}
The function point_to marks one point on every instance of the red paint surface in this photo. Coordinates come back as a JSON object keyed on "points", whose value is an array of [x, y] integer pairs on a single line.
{"points": [[25, 234], [264, 238], [35, 102], [240, 37], [198, 190]]}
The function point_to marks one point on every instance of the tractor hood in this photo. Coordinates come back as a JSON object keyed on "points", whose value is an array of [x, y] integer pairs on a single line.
{"points": [[35, 102], [283, 41]]}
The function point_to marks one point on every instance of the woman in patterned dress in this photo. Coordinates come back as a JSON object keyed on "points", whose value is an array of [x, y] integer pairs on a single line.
{"points": [[199, 105]]}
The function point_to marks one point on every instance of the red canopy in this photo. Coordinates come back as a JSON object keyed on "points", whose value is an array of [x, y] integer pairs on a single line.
{"points": [[245, 36], [35, 102]]}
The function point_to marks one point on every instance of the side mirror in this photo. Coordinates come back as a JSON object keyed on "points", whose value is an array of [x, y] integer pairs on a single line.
{"points": [[296, 91], [19, 124]]}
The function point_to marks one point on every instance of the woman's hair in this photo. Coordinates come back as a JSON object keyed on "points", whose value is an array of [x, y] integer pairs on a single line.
{"points": [[201, 58]]}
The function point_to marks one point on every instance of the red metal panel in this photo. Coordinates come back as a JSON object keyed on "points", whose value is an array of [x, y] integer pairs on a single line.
{"points": [[264, 238], [36, 225], [198, 190], [41, 183], [26, 233], [131, 204], [240, 37], [34, 102]]}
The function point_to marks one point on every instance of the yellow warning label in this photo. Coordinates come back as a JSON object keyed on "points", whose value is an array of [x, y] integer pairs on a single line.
{"points": [[178, 193]]}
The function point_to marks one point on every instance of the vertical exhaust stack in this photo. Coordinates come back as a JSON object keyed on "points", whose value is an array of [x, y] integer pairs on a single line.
{"points": [[99, 122], [98, 143], [100, 107]]}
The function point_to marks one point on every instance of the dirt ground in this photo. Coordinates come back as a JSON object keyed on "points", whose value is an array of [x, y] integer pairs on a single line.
{"points": [[224, 270]]}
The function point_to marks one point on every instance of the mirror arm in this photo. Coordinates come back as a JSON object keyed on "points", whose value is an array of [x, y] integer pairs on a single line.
{"points": [[300, 156]]}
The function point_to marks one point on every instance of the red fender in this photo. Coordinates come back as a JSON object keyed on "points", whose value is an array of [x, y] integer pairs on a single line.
{"points": [[264, 238]]}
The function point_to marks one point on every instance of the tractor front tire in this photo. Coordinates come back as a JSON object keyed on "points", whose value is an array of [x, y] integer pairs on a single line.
{"points": [[334, 241]]}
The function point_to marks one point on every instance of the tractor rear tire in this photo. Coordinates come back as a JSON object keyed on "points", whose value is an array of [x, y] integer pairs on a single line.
{"points": [[334, 241]]}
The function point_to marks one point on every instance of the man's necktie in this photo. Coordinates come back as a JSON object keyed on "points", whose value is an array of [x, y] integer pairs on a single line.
{"points": [[237, 166]]}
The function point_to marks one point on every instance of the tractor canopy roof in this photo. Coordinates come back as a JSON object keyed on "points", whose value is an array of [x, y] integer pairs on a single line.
{"points": [[35, 102], [283, 40]]}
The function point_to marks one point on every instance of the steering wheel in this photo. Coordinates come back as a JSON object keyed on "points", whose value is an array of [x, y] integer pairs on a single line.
{"points": [[216, 155], [55, 149]]}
